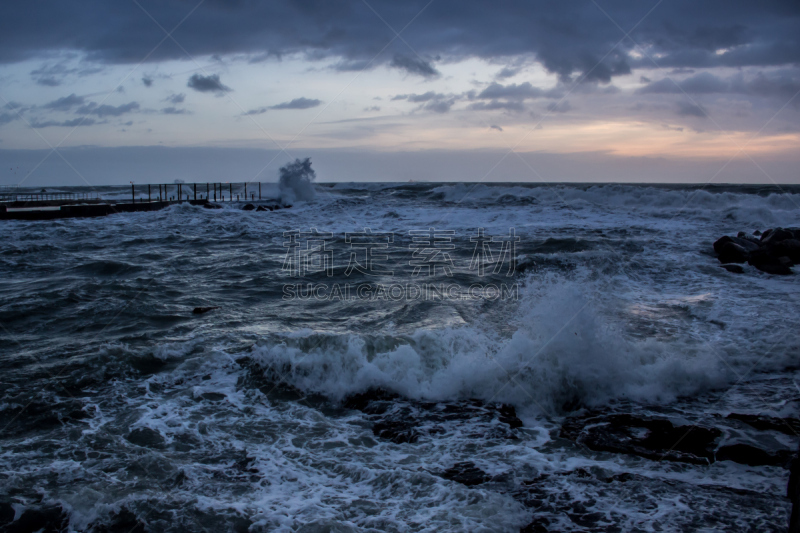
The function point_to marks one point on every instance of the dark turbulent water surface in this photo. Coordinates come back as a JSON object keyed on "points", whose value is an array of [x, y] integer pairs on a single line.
{"points": [[327, 394]]}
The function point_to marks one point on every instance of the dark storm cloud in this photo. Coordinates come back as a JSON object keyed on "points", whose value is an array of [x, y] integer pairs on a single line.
{"points": [[107, 110], [48, 81], [494, 105], [174, 111], [53, 74], [176, 98], [417, 98], [506, 72], [207, 84], [65, 124], [439, 105], [297, 103], [559, 107], [783, 85], [65, 103], [517, 92], [147, 81], [573, 40], [431, 101], [414, 66], [689, 109], [5, 118]]}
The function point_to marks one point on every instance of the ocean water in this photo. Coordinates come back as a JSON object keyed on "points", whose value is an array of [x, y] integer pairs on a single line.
{"points": [[123, 410]]}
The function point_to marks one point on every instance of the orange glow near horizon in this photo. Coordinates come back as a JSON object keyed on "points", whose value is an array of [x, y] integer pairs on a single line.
{"points": [[620, 138]]}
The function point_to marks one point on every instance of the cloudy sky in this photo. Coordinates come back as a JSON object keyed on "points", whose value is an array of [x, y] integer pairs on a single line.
{"points": [[135, 90]]}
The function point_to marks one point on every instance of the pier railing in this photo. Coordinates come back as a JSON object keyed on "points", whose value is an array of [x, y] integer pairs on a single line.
{"points": [[47, 196], [211, 191], [173, 192]]}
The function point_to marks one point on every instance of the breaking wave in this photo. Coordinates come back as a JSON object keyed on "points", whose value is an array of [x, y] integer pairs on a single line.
{"points": [[565, 352]]}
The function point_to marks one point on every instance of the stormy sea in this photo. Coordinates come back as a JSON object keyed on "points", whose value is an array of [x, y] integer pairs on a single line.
{"points": [[401, 357]]}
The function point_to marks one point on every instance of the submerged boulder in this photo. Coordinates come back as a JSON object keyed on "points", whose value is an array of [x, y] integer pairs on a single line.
{"points": [[401, 420], [146, 437], [652, 438], [248, 207], [741, 438], [467, 474], [747, 454], [203, 310], [736, 269]]}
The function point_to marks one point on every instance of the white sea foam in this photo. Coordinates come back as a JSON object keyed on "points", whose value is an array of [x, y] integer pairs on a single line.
{"points": [[566, 348]]}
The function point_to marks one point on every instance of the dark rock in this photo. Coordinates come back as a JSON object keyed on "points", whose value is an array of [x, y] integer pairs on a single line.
{"points": [[405, 421], [146, 437], [752, 456], [373, 401], [793, 493], [789, 248], [7, 513], [788, 426], [735, 247], [212, 206], [264, 208], [656, 439], [201, 310], [245, 464], [742, 236], [46, 520], [508, 415], [213, 396], [466, 474], [757, 233], [536, 527], [248, 207], [722, 241], [776, 235], [774, 267], [397, 431], [731, 252], [765, 260], [123, 522], [750, 245], [736, 269]]}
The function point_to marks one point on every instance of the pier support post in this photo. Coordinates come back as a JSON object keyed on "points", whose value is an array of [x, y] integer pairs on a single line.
{"points": [[148, 194], [259, 190], [245, 190], [133, 194], [195, 192], [230, 185], [207, 191]]}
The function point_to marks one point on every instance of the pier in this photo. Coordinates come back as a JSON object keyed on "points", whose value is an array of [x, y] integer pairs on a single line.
{"points": [[43, 205]]}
